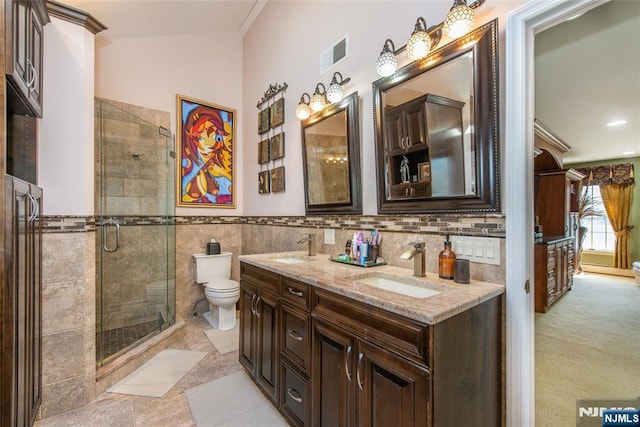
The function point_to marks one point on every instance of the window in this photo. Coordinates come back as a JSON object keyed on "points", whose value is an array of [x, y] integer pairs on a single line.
{"points": [[600, 235]]}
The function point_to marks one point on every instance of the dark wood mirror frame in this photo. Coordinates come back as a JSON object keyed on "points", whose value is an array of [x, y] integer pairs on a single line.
{"points": [[350, 105], [483, 43]]}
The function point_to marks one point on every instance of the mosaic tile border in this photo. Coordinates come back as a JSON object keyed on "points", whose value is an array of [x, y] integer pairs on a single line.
{"points": [[491, 225]]}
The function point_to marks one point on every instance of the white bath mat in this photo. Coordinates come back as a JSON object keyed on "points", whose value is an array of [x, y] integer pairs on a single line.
{"points": [[224, 341], [158, 375], [232, 401]]}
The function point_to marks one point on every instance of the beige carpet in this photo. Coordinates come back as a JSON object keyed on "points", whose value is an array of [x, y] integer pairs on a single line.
{"points": [[224, 341], [232, 401], [159, 374], [587, 347]]}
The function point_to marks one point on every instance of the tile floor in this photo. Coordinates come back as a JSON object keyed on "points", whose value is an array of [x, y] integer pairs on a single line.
{"points": [[172, 410]]}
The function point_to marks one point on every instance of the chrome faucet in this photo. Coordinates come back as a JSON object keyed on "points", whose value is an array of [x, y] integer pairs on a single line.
{"points": [[311, 240], [417, 252]]}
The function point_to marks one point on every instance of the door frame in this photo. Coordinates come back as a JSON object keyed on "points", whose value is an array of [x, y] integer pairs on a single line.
{"points": [[523, 24]]}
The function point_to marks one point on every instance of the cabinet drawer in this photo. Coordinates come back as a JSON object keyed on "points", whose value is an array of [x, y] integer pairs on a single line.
{"points": [[260, 278], [298, 293], [294, 395], [388, 330], [296, 336]]}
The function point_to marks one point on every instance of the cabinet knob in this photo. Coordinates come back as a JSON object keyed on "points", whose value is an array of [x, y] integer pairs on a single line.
{"points": [[294, 292], [295, 335]]}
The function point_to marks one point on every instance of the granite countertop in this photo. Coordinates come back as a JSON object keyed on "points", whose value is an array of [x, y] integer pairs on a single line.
{"points": [[342, 279]]}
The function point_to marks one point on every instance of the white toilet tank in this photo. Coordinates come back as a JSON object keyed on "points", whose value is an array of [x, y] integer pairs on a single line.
{"points": [[209, 267]]}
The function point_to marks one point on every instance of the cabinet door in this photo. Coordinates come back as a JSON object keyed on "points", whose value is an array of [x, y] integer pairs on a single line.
{"points": [[415, 125], [35, 59], [247, 350], [391, 390], [266, 371], [19, 54], [333, 376], [395, 131]]}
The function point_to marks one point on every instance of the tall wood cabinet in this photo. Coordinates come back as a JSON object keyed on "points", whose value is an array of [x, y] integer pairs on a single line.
{"points": [[24, 42], [21, 305], [554, 268], [557, 193]]}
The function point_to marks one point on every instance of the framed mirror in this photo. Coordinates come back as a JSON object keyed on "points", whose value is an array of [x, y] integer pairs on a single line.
{"points": [[331, 157], [436, 130]]}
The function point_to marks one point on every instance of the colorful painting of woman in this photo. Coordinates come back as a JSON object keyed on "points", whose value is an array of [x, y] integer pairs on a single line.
{"points": [[206, 154]]}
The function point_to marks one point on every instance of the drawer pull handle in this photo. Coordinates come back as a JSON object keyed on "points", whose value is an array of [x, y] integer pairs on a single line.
{"points": [[253, 303], [295, 335], [346, 363], [294, 292], [293, 393], [360, 383], [258, 301]]}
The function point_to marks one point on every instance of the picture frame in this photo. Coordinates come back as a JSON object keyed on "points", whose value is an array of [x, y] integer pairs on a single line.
{"points": [[206, 163], [264, 182], [424, 172], [263, 120], [263, 151], [277, 179], [276, 146], [277, 113]]}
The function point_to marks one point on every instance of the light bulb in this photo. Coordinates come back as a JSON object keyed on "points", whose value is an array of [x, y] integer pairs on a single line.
{"points": [[334, 93], [302, 111], [459, 20], [317, 102], [386, 64], [419, 45]]}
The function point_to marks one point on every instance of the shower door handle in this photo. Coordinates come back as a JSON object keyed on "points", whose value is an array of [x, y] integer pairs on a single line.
{"points": [[104, 238]]}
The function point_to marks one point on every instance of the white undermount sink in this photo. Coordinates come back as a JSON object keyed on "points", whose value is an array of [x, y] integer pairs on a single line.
{"points": [[400, 287], [293, 260]]}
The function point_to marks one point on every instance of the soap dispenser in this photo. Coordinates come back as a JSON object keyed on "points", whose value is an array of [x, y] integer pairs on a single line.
{"points": [[446, 261]]}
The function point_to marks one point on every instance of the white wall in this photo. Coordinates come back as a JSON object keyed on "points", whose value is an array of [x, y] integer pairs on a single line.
{"points": [[66, 162], [284, 45], [150, 71]]}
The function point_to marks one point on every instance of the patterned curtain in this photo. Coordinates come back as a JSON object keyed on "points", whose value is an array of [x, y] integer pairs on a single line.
{"points": [[611, 174], [617, 199]]}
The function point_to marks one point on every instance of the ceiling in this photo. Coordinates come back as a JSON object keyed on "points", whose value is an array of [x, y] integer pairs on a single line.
{"points": [[587, 75], [587, 69], [151, 18]]}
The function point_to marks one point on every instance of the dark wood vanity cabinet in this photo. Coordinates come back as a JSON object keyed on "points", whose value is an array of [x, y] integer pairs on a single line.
{"points": [[554, 267], [259, 320], [24, 44], [20, 308], [343, 362]]}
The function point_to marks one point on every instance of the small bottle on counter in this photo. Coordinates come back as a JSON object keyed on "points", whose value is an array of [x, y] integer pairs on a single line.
{"points": [[446, 261]]}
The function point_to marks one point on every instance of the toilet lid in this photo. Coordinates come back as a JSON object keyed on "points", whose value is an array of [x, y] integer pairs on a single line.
{"points": [[223, 285]]}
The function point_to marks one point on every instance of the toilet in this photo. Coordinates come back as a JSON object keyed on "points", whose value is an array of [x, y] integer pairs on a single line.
{"points": [[214, 272]]}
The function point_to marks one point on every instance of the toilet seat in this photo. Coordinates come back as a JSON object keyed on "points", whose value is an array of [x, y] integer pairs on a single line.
{"points": [[222, 285]]}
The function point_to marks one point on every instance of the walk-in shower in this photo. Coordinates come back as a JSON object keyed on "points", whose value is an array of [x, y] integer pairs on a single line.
{"points": [[135, 238]]}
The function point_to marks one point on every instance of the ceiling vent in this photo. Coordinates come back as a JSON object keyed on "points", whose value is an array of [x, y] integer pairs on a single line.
{"points": [[334, 55]]}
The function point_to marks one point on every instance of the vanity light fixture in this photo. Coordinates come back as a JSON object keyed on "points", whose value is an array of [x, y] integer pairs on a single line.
{"points": [[387, 62], [318, 100], [302, 110], [419, 44], [459, 20], [334, 93]]}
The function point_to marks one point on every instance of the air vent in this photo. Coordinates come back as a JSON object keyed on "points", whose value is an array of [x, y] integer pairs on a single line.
{"points": [[334, 55]]}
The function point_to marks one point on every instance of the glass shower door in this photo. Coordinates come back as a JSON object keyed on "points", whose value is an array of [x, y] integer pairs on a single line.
{"points": [[135, 272]]}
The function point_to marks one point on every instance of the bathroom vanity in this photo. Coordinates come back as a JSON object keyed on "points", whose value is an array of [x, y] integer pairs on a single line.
{"points": [[332, 344]]}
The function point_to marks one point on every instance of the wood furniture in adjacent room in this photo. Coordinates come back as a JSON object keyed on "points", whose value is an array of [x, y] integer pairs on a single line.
{"points": [[554, 268]]}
